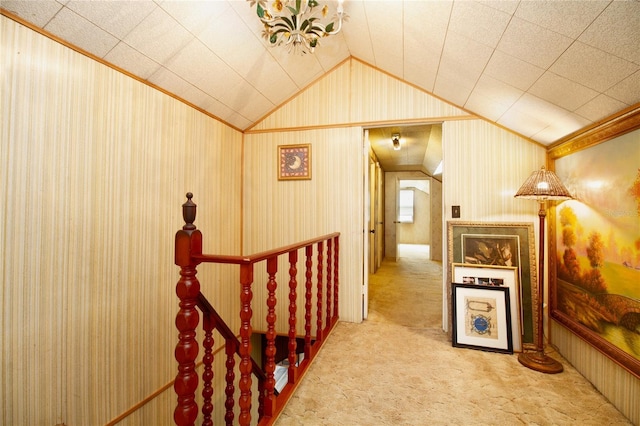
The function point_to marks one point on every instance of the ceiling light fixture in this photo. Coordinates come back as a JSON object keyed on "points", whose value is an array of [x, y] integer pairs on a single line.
{"points": [[294, 23], [395, 139]]}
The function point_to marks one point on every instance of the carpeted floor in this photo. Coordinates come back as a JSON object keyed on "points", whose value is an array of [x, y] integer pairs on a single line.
{"points": [[399, 368]]}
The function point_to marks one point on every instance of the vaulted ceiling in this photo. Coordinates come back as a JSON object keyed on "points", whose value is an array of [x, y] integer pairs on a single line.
{"points": [[543, 69]]}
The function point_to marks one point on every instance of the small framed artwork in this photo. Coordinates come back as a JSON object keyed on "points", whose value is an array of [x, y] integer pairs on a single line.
{"points": [[294, 162], [496, 276], [482, 318]]}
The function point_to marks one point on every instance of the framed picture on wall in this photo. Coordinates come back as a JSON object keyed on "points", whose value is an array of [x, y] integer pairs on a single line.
{"points": [[499, 244], [294, 162], [481, 318], [594, 255], [495, 276]]}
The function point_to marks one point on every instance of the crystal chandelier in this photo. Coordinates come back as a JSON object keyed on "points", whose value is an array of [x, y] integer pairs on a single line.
{"points": [[296, 24]]}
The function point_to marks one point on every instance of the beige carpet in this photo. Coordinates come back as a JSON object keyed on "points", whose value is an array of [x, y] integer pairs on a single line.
{"points": [[398, 368]]}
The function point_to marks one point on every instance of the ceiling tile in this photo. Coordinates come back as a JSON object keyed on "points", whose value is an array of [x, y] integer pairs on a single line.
{"points": [[332, 51], [196, 15], [600, 106], [386, 35], [561, 125], [356, 32], [478, 22], [38, 12], [465, 55], [449, 87], [303, 70], [249, 58], [491, 98], [628, 90], [129, 59], [463, 61], [427, 20], [173, 83], [532, 43], [567, 17], [116, 17], [508, 6], [561, 91], [616, 30], [496, 91], [485, 107], [199, 66], [513, 71], [547, 116], [521, 122], [158, 36], [82, 33], [592, 67], [421, 72]]}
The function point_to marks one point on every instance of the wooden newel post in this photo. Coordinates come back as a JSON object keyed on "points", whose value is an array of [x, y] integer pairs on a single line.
{"points": [[188, 243]]}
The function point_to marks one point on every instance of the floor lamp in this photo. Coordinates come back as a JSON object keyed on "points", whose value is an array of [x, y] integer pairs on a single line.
{"points": [[541, 186]]}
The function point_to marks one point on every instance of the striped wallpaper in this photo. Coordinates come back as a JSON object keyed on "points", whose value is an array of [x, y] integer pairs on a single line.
{"points": [[94, 166]]}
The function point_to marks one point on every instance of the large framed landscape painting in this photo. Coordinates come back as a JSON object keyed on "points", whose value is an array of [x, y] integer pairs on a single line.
{"points": [[595, 242]]}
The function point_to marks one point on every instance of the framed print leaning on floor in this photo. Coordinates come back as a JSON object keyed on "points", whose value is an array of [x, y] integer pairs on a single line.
{"points": [[481, 318], [496, 276], [482, 242]]}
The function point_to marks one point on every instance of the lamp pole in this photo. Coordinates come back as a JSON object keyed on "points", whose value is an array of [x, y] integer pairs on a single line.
{"points": [[541, 186], [538, 360]]}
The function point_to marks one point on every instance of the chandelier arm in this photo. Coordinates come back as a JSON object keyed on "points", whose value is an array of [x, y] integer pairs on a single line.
{"points": [[297, 23]]}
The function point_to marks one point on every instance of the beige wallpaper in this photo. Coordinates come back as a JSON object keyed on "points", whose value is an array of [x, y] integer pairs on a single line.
{"points": [[94, 169], [283, 212]]}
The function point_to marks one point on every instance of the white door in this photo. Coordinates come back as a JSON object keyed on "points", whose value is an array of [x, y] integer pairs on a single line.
{"points": [[366, 223]]}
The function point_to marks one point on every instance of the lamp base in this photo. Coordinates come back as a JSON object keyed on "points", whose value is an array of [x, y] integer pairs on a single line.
{"points": [[538, 361]]}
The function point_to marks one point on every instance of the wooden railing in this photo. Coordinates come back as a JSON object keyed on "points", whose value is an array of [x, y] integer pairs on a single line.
{"points": [[324, 289]]}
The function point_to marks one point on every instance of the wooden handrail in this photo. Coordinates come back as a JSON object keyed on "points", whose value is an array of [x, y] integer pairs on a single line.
{"points": [[324, 275], [258, 257]]}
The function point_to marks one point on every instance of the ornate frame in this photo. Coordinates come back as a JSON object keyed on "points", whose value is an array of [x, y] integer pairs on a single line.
{"points": [[625, 123], [526, 264]]}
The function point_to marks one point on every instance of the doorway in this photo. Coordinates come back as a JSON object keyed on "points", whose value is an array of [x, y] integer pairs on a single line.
{"points": [[411, 230]]}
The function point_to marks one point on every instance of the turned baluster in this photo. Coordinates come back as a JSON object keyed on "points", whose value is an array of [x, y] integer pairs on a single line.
{"points": [[245, 367], [229, 390], [293, 271], [270, 350], [307, 301], [207, 374], [319, 331], [328, 280], [188, 242], [336, 265]]}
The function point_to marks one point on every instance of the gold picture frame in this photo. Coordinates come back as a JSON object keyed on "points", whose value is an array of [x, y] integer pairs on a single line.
{"points": [[606, 314], [461, 234], [294, 162]]}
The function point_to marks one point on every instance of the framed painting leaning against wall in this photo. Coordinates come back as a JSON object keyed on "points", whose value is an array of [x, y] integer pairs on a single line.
{"points": [[595, 248], [499, 244]]}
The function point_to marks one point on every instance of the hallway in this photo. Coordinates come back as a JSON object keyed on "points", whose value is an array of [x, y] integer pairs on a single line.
{"points": [[398, 368]]}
